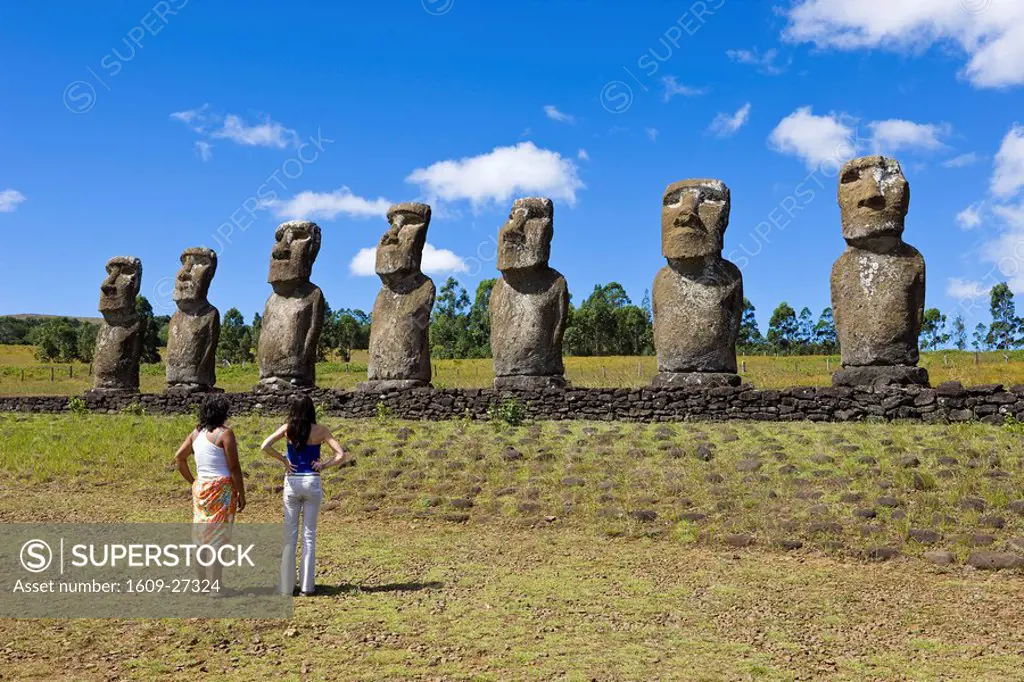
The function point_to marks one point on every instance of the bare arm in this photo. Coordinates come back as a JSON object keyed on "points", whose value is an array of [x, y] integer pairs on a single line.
{"points": [[181, 458], [269, 450], [339, 453], [230, 446]]}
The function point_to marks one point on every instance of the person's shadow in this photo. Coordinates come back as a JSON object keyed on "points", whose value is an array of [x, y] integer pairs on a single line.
{"points": [[349, 588]]}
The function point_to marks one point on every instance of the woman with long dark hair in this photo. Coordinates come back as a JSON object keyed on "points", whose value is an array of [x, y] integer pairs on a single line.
{"points": [[218, 489], [302, 490]]}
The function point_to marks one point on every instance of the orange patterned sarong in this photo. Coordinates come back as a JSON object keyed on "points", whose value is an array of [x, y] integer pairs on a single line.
{"points": [[213, 510]]}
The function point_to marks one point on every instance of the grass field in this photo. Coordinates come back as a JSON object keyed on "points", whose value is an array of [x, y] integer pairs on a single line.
{"points": [[22, 374], [568, 550]]}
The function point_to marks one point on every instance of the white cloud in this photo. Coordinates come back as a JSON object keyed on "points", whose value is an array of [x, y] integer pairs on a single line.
{"points": [[895, 134], [961, 288], [435, 260], [329, 205], [962, 161], [9, 200], [814, 139], [269, 133], [582, 155], [552, 112], [652, 133], [970, 217], [204, 150], [1009, 166], [990, 32], [725, 125], [673, 88], [501, 173], [196, 119], [765, 63]]}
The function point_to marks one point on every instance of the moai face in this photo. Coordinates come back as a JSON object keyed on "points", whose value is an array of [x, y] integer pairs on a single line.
{"points": [[694, 215], [874, 197], [193, 282], [119, 289], [524, 241], [295, 248], [401, 248]]}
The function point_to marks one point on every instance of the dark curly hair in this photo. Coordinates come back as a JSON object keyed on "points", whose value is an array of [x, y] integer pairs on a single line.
{"points": [[213, 412]]}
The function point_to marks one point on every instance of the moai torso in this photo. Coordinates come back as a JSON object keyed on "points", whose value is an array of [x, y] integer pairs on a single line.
{"points": [[400, 332], [116, 359], [697, 317], [528, 317], [289, 336], [878, 304], [192, 348]]}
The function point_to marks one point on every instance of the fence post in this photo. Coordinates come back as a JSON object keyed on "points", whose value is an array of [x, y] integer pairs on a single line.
{"points": [[977, 357], [828, 364], [51, 372], [90, 369], [23, 375], [71, 371], [743, 366]]}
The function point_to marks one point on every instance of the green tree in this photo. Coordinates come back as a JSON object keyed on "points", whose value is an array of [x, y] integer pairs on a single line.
{"points": [[448, 321], [933, 329], [150, 330], [235, 339], [254, 329], [959, 333], [980, 337], [1005, 327], [55, 340], [750, 339], [783, 328], [478, 327], [86, 341], [805, 329], [825, 333]]}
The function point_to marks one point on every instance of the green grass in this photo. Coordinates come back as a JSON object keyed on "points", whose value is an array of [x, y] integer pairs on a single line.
{"points": [[17, 362], [547, 575]]}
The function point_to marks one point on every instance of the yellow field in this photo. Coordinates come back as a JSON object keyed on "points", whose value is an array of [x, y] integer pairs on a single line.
{"points": [[22, 374]]}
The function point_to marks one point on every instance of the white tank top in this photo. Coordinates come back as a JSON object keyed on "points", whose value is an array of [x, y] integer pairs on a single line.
{"points": [[210, 459]]}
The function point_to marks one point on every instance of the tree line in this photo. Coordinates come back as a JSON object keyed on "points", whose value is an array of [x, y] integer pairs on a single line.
{"points": [[607, 322]]}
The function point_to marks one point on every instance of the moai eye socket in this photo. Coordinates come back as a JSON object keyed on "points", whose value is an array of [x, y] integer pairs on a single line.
{"points": [[851, 175]]}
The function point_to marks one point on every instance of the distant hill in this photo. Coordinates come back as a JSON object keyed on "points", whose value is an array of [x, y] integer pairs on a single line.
{"points": [[33, 316]]}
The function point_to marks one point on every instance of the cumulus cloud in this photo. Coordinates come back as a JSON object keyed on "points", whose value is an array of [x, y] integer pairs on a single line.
{"points": [[765, 63], [9, 200], [552, 112], [1009, 171], [970, 217], [582, 155], [673, 88], [990, 32], [962, 161], [329, 205], [435, 261], [814, 139], [896, 134], [265, 133], [961, 288], [725, 125], [500, 174], [204, 150]]}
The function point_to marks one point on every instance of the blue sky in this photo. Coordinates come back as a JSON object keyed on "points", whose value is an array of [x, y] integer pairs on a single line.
{"points": [[142, 128]]}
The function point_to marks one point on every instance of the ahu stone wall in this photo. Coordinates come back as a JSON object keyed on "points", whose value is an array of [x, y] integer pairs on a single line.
{"points": [[949, 402]]}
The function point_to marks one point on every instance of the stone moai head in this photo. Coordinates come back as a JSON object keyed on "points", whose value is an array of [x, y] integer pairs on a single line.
{"points": [[119, 289], [524, 241], [401, 248], [694, 216], [296, 245], [192, 284], [874, 198]]}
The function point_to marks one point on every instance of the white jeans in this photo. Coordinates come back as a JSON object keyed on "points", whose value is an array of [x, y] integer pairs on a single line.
{"points": [[301, 493]]}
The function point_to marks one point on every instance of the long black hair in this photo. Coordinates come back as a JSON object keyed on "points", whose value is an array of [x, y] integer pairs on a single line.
{"points": [[213, 412], [301, 417]]}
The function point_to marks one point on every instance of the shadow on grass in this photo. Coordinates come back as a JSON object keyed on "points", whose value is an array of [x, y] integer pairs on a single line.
{"points": [[349, 588]]}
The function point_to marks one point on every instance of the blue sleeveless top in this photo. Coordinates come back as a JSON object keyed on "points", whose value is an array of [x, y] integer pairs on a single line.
{"points": [[302, 458]]}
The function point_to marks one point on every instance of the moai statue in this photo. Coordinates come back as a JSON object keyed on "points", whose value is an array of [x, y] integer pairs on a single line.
{"points": [[119, 340], [698, 296], [294, 315], [878, 282], [530, 303], [194, 329], [399, 340]]}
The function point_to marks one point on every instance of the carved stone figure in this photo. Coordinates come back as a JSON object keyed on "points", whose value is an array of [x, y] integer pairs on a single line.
{"points": [[294, 315], [194, 330], [698, 297], [119, 340], [878, 282], [399, 340], [530, 303]]}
